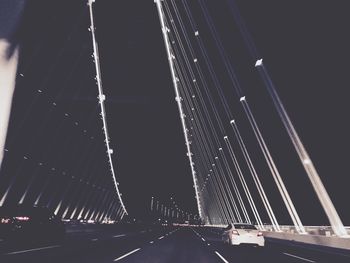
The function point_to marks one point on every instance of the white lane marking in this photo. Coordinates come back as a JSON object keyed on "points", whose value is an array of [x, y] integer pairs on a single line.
{"points": [[95, 239], [294, 256], [151, 242], [127, 254], [203, 239], [122, 235], [30, 250], [161, 237], [222, 258]]}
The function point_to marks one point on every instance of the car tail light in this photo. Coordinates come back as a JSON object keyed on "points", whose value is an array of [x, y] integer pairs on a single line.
{"points": [[260, 234], [235, 232], [5, 220], [22, 218]]}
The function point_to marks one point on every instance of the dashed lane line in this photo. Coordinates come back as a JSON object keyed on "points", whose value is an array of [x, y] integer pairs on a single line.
{"points": [[294, 256], [31, 250], [127, 254], [122, 235], [221, 257]]}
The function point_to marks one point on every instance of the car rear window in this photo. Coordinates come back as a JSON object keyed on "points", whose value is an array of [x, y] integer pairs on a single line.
{"points": [[243, 226]]}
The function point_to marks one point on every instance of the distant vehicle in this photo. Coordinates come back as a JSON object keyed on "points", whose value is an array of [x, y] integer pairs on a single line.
{"points": [[237, 234], [30, 224]]}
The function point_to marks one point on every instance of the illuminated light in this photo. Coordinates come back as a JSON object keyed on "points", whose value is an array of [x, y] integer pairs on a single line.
{"points": [[307, 161], [242, 98], [235, 232], [194, 80], [22, 218], [216, 157], [54, 104], [196, 33], [21, 75], [91, 1], [102, 97], [195, 60], [220, 149], [40, 91], [110, 151], [5, 220], [58, 208], [225, 137], [259, 63], [213, 164]]}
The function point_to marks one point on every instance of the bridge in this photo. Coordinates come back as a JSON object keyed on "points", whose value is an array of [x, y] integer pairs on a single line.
{"points": [[147, 128]]}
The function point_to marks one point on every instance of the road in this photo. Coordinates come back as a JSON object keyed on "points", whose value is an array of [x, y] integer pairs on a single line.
{"points": [[173, 245]]}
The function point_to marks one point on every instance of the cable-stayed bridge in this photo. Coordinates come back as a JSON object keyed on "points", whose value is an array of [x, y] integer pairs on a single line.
{"points": [[58, 151]]}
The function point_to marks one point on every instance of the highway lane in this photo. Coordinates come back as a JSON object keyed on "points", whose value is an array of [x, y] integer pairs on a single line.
{"points": [[87, 245], [273, 251], [173, 245]]}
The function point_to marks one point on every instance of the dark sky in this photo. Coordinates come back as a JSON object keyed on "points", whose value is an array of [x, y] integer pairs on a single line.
{"points": [[304, 45]]}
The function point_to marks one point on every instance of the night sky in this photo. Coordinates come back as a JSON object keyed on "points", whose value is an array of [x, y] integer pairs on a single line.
{"points": [[304, 45]]}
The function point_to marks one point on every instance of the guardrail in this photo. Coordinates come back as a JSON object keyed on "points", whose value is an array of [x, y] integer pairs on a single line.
{"points": [[315, 235], [311, 230]]}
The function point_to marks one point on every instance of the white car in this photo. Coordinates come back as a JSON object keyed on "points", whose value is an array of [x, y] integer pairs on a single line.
{"points": [[236, 234]]}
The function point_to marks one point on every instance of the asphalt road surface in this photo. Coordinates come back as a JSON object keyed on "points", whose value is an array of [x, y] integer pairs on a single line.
{"points": [[173, 245]]}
